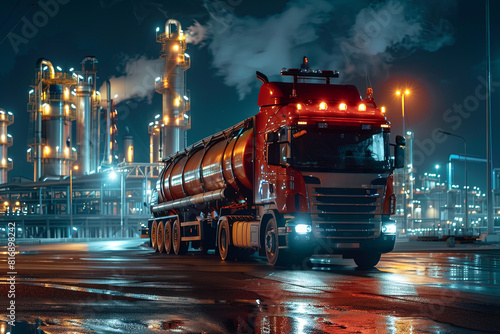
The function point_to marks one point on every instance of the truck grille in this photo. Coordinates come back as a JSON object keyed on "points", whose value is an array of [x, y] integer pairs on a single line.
{"points": [[345, 213]]}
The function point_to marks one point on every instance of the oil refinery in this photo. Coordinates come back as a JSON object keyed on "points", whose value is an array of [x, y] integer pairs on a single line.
{"points": [[85, 183]]}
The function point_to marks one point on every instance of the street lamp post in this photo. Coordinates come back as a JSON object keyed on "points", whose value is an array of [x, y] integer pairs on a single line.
{"points": [[75, 167], [405, 218], [465, 171]]}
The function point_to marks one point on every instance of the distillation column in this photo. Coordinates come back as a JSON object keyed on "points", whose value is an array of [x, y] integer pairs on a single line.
{"points": [[52, 109], [6, 119], [171, 126], [87, 117]]}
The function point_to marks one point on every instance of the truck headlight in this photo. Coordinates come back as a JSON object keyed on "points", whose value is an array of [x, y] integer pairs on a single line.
{"points": [[389, 228], [303, 228]]}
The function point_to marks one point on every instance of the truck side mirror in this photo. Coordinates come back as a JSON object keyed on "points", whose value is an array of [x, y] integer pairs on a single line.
{"points": [[399, 152], [277, 154]]}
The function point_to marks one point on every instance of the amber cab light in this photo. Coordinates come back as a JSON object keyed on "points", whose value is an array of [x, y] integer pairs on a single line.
{"points": [[362, 107], [343, 106], [323, 106]]}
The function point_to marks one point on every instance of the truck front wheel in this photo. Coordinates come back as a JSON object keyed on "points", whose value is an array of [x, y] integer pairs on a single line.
{"points": [[180, 247], [271, 244], [367, 260]]}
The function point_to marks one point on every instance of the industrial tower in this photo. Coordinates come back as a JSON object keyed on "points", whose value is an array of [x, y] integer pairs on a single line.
{"points": [[6, 119], [52, 109], [168, 130]]}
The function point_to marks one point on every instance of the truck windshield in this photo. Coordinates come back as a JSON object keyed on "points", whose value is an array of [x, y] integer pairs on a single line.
{"points": [[340, 149]]}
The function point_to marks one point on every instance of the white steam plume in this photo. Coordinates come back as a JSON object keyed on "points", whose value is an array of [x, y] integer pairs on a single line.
{"points": [[371, 36], [138, 81]]}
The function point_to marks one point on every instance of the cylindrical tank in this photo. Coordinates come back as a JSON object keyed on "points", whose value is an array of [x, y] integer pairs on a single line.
{"points": [[56, 129], [221, 162], [6, 119], [128, 148], [83, 128]]}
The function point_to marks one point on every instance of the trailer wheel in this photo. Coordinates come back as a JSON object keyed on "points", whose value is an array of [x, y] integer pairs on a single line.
{"points": [[226, 250], [366, 260], [168, 237], [180, 247], [154, 230], [271, 244], [160, 237]]}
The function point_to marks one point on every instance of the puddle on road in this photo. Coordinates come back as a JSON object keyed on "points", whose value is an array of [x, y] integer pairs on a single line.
{"points": [[343, 321]]}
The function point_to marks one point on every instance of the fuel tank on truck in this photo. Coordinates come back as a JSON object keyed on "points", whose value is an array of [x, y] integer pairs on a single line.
{"points": [[222, 161]]}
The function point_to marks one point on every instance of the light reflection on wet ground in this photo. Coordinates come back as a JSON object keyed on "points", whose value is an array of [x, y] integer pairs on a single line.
{"points": [[147, 293]]}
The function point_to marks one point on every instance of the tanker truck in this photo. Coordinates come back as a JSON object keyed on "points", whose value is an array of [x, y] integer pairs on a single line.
{"points": [[311, 173]]}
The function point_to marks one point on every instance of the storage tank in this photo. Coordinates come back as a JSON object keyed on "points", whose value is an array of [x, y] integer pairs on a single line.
{"points": [[6, 119], [52, 109]]}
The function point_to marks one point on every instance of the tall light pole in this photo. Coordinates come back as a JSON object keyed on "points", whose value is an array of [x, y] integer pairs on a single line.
{"points": [[402, 94], [465, 171], [75, 167], [438, 185]]}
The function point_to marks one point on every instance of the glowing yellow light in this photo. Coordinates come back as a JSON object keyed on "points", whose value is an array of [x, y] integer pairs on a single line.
{"points": [[398, 92], [46, 108], [17, 203], [130, 154], [4, 162], [177, 102], [66, 150], [407, 92], [323, 106], [343, 106], [5, 203], [362, 107], [382, 110], [46, 150], [66, 93], [66, 109], [75, 167], [299, 106], [176, 47], [302, 123], [165, 120], [2, 138]]}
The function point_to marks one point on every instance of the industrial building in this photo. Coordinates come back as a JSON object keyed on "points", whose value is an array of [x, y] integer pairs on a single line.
{"points": [[84, 184]]}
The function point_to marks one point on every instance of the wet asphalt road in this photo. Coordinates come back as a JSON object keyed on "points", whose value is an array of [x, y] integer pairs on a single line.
{"points": [[124, 287]]}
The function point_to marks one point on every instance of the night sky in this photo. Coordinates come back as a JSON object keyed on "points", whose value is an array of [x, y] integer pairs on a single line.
{"points": [[437, 49]]}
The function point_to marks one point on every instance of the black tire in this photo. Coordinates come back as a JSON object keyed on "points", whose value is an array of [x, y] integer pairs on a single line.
{"points": [[154, 231], [168, 237], [224, 247], [180, 247], [367, 260], [160, 236], [275, 257]]}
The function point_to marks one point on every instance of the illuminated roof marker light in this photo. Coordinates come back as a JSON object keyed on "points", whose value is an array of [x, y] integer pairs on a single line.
{"points": [[323, 106], [299, 106], [342, 106], [362, 107]]}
